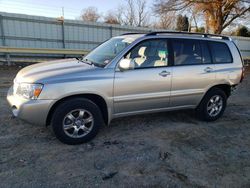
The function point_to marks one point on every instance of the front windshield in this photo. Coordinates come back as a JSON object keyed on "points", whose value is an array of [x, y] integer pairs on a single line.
{"points": [[107, 51]]}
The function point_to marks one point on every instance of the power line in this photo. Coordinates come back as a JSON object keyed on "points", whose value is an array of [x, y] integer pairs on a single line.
{"points": [[36, 6], [38, 9]]}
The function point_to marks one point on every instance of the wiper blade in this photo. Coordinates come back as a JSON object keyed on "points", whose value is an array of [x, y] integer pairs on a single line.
{"points": [[84, 61], [89, 62]]}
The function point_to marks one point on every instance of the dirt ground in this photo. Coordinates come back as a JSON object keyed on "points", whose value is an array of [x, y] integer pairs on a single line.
{"points": [[171, 149]]}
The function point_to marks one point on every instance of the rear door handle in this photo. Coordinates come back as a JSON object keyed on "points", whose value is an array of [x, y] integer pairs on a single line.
{"points": [[208, 69], [164, 73]]}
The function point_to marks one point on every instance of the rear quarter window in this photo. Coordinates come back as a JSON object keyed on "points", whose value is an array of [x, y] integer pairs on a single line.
{"points": [[220, 52]]}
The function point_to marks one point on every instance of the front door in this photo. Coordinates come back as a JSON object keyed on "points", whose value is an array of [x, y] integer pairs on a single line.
{"points": [[147, 87]]}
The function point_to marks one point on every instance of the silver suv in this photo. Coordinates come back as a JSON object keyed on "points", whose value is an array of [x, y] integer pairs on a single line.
{"points": [[126, 75]]}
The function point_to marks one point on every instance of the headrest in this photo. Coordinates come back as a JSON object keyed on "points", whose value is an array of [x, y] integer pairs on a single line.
{"points": [[142, 51], [162, 54]]}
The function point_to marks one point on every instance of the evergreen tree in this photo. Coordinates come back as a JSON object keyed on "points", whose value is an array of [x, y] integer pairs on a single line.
{"points": [[182, 23]]}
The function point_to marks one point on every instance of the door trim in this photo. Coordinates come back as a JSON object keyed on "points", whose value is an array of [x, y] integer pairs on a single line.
{"points": [[153, 111]]}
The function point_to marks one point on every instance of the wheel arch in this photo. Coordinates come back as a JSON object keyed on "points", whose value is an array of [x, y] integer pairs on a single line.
{"points": [[224, 87], [201, 108], [97, 99]]}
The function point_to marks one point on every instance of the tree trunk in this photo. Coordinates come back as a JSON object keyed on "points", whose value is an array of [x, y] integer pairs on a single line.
{"points": [[218, 28]]}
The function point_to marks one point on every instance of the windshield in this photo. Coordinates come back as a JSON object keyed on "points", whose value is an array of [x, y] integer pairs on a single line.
{"points": [[107, 51]]}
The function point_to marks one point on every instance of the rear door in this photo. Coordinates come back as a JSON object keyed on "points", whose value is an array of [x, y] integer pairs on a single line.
{"points": [[193, 71]]}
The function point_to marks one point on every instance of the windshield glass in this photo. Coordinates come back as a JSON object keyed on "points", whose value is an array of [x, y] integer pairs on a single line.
{"points": [[107, 51]]}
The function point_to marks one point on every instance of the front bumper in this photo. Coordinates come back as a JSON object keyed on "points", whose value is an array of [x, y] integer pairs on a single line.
{"points": [[32, 111]]}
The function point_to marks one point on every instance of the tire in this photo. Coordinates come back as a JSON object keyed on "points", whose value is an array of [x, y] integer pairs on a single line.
{"points": [[209, 108], [76, 121]]}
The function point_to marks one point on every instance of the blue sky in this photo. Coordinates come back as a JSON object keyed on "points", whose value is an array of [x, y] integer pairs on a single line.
{"points": [[53, 8], [72, 8]]}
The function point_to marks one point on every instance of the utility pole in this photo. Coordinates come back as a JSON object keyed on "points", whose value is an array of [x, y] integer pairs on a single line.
{"points": [[63, 12], [61, 19]]}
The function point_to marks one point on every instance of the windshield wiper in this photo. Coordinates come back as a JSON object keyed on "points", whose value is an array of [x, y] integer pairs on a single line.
{"points": [[80, 59], [89, 62]]}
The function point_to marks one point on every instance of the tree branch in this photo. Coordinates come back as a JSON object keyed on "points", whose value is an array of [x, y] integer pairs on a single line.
{"points": [[234, 17]]}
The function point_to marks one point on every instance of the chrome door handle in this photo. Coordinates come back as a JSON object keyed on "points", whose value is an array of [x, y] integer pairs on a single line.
{"points": [[208, 69], [164, 73]]}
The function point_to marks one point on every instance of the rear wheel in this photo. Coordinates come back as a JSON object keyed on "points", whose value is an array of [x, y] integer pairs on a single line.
{"points": [[212, 105], [76, 121]]}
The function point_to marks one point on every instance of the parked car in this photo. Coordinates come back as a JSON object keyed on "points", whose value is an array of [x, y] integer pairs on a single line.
{"points": [[127, 75]]}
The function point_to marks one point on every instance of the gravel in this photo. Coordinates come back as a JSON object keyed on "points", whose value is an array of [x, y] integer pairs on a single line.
{"points": [[170, 149]]}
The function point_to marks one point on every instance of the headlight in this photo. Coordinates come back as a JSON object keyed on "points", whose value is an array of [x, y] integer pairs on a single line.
{"points": [[29, 91]]}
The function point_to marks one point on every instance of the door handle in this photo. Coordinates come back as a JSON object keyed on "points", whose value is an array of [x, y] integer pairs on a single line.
{"points": [[208, 69], [164, 73]]}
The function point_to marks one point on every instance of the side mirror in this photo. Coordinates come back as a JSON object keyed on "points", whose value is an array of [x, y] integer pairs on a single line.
{"points": [[126, 64]]}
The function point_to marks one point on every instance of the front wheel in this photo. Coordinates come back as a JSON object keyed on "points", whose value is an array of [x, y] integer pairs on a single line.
{"points": [[76, 121], [212, 105]]}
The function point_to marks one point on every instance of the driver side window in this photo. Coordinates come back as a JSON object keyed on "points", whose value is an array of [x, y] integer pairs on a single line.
{"points": [[149, 53]]}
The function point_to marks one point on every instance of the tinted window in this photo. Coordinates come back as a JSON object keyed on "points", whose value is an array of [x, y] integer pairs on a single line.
{"points": [[149, 53], [220, 52], [186, 52], [206, 56]]}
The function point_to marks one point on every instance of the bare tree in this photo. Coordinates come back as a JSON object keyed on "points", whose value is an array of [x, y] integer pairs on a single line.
{"points": [[165, 21], [142, 14], [90, 14], [133, 13], [129, 13], [111, 18], [218, 14], [195, 18], [119, 14]]}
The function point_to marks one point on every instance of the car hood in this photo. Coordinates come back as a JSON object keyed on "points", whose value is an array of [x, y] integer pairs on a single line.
{"points": [[52, 70]]}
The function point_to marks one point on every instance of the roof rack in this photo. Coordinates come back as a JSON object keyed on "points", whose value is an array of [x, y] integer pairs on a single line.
{"points": [[205, 35], [133, 33]]}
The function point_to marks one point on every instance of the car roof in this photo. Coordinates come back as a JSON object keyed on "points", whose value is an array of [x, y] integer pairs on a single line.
{"points": [[185, 35]]}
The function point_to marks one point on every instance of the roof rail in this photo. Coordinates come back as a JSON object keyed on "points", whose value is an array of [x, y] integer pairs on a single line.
{"points": [[133, 33], [205, 35]]}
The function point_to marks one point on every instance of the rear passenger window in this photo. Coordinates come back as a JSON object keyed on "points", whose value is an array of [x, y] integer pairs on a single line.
{"points": [[206, 56], [220, 52], [186, 52]]}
